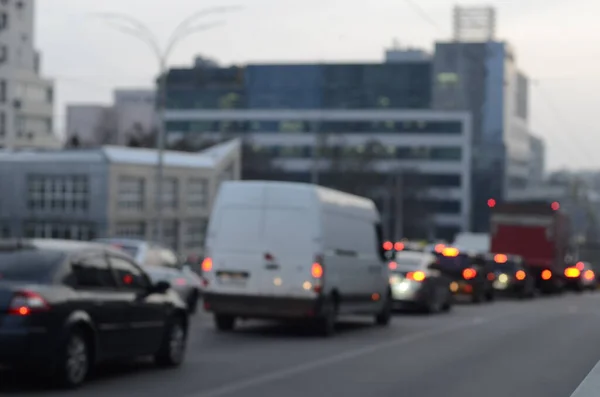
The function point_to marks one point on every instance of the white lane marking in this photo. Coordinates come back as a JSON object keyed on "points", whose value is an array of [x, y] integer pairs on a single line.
{"points": [[590, 385], [285, 373]]}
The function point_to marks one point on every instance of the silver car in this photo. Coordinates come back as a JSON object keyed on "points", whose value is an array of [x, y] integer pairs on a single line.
{"points": [[162, 264]]}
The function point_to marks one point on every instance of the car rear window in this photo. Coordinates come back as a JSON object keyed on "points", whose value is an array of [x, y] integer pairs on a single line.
{"points": [[36, 266], [408, 262], [131, 250], [499, 267], [457, 262]]}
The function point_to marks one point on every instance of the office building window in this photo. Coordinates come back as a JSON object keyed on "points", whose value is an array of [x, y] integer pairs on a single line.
{"points": [[197, 193], [3, 21], [131, 193], [170, 234], [3, 91], [4, 231], [134, 230], [195, 233], [170, 190], [62, 194], [60, 230]]}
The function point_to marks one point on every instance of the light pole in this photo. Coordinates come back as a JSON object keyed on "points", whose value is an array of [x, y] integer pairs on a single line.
{"points": [[131, 26]]}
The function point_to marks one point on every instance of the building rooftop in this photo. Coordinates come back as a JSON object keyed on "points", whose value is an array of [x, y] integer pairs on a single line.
{"points": [[125, 155]]}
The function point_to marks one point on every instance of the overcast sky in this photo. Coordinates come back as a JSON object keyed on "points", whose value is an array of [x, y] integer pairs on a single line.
{"points": [[557, 44]]}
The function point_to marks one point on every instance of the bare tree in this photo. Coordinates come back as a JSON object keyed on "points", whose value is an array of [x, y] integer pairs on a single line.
{"points": [[138, 136], [73, 141], [106, 128]]}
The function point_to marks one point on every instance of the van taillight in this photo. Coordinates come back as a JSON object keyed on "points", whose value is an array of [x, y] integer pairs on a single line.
{"points": [[27, 302], [207, 265]]}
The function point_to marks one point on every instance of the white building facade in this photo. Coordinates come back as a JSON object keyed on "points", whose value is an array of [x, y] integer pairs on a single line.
{"points": [[26, 99], [435, 144]]}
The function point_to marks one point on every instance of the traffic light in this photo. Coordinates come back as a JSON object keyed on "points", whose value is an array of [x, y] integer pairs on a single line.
{"points": [[491, 203], [555, 206]]}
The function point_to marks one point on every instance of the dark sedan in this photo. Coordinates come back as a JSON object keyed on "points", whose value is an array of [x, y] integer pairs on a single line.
{"points": [[65, 306], [468, 272], [510, 276]]}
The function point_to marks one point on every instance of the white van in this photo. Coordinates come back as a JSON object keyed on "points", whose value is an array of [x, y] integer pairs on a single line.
{"points": [[282, 250]]}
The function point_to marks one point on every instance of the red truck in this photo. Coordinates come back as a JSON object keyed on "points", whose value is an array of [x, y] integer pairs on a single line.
{"points": [[539, 232]]}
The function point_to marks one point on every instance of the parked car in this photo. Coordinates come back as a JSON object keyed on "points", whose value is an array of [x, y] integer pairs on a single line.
{"points": [[162, 264], [67, 305], [284, 250]]}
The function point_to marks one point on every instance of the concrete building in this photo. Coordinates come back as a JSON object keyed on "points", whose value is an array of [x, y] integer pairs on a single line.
{"points": [[26, 99], [436, 145], [131, 115], [110, 191], [88, 124]]}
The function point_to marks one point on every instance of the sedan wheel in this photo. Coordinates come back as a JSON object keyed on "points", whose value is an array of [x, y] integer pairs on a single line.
{"points": [[75, 363], [172, 350], [177, 343]]}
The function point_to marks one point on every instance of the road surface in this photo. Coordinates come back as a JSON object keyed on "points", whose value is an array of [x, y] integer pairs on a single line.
{"points": [[539, 348]]}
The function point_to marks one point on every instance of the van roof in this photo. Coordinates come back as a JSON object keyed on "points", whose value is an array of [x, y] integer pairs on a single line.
{"points": [[334, 199]]}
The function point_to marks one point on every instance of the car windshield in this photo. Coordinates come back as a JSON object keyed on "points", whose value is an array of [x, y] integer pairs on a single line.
{"points": [[33, 265]]}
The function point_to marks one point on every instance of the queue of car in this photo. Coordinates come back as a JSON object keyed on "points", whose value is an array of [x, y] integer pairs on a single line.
{"points": [[274, 250]]}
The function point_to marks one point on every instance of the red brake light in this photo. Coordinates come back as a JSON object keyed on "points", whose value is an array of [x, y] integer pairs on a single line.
{"points": [[207, 265], [589, 275], [520, 275], [27, 302], [399, 246], [580, 266], [316, 270], [469, 274], [388, 246], [393, 266]]}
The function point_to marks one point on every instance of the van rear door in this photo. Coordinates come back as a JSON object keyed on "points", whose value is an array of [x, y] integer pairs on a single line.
{"points": [[238, 251], [290, 241]]}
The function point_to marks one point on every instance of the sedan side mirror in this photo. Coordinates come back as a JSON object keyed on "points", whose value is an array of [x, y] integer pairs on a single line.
{"points": [[161, 287]]}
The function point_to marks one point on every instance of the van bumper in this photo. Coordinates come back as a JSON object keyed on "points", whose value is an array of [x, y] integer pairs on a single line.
{"points": [[262, 307]]}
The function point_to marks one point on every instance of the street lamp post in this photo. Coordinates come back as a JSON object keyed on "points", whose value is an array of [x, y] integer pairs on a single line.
{"points": [[133, 27]]}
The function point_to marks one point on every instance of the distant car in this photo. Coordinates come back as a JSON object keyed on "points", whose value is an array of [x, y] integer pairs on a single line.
{"points": [[510, 276], [66, 305], [416, 284], [468, 272], [184, 281], [580, 277], [162, 264]]}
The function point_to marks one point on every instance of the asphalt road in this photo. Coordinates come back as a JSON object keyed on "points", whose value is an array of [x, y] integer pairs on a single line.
{"points": [[543, 347]]}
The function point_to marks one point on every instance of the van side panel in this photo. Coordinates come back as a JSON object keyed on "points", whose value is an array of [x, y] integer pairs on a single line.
{"points": [[352, 263]]}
